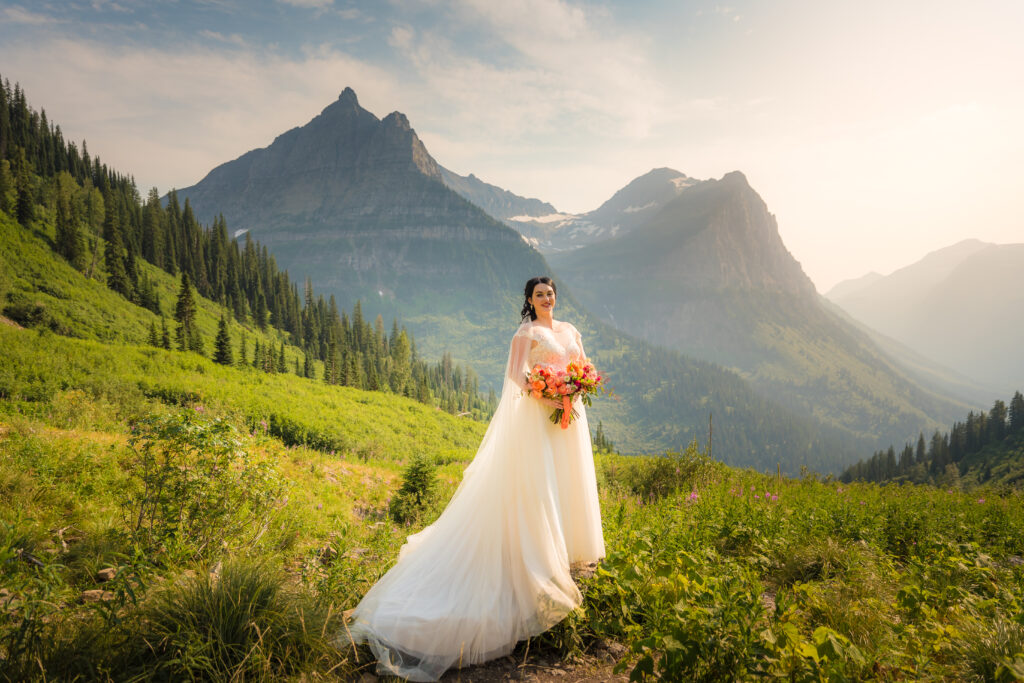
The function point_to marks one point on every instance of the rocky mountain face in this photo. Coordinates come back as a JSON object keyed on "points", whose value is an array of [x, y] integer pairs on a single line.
{"points": [[628, 209], [709, 275], [359, 205], [497, 202], [962, 307]]}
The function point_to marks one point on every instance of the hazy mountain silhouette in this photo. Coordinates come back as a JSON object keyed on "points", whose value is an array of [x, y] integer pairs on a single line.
{"points": [[359, 205], [961, 306], [708, 274]]}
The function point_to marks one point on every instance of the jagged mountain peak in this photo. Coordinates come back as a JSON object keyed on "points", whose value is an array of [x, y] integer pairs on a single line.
{"points": [[348, 95]]}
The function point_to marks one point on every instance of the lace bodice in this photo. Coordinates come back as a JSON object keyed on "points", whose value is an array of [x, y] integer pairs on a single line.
{"points": [[555, 349], [536, 344]]}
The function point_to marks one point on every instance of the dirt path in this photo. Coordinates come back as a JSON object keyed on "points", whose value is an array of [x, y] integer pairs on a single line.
{"points": [[539, 667]]}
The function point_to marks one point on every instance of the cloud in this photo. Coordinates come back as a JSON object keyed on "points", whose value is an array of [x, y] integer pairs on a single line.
{"points": [[231, 39], [168, 116], [20, 15], [568, 72], [311, 4]]}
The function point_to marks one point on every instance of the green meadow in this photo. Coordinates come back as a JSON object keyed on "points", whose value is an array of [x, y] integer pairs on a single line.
{"points": [[233, 552]]}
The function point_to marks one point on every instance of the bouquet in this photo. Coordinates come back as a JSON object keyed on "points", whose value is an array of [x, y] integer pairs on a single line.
{"points": [[578, 379]]}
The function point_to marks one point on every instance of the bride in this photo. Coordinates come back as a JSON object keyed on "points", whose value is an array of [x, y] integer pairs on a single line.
{"points": [[494, 568]]}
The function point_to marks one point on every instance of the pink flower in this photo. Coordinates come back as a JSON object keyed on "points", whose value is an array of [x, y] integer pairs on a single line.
{"points": [[775, 497], [693, 496], [981, 500]]}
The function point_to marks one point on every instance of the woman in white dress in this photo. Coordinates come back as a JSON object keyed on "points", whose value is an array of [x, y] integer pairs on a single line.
{"points": [[494, 568]]}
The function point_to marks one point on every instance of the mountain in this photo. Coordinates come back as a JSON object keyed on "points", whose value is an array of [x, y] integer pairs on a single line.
{"points": [[629, 208], [497, 202], [709, 275], [359, 205], [961, 306], [854, 285]]}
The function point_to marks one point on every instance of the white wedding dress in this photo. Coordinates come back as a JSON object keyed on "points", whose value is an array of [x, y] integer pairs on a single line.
{"points": [[494, 568]]}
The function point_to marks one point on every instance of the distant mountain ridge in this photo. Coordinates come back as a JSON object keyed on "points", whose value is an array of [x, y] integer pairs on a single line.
{"points": [[359, 205], [497, 202], [961, 306], [709, 275]]}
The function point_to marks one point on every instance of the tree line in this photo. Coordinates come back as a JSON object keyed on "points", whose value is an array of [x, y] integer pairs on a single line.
{"points": [[104, 228], [943, 456]]}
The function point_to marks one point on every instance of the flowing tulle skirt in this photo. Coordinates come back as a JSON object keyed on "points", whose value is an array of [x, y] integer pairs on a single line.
{"points": [[494, 568]]}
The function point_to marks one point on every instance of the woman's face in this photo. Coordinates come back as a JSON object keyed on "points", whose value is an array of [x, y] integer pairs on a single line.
{"points": [[543, 298]]}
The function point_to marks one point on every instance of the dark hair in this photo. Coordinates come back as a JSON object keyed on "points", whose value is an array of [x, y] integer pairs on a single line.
{"points": [[528, 311]]}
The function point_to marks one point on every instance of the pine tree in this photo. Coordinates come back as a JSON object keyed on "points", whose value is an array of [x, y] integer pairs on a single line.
{"points": [[997, 422], [307, 366], [1017, 412], [165, 335], [243, 352], [257, 358], [154, 337], [113, 255], [25, 205], [282, 365], [222, 353], [185, 313], [69, 240]]}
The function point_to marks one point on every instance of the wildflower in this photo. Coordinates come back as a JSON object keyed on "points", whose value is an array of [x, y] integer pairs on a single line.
{"points": [[199, 409], [863, 503], [319, 506], [839, 490], [693, 496], [775, 497], [263, 423], [677, 470], [981, 500]]}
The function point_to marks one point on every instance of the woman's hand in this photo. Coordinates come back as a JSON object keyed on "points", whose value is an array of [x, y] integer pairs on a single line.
{"points": [[550, 402]]}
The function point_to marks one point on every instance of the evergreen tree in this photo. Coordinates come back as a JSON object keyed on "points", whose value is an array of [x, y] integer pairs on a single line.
{"points": [[1017, 412], [222, 353], [154, 337], [165, 335], [257, 358], [282, 365], [997, 422], [25, 205], [243, 352], [69, 241], [117, 275], [185, 313], [307, 366]]}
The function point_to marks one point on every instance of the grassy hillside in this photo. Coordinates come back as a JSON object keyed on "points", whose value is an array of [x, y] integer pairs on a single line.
{"points": [[712, 573], [32, 275]]}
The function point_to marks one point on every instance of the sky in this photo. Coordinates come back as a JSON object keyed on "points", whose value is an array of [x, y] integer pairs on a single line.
{"points": [[875, 131]]}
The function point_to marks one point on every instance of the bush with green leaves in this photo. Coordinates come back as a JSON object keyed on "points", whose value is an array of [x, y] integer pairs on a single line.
{"points": [[657, 477], [419, 483], [194, 487]]}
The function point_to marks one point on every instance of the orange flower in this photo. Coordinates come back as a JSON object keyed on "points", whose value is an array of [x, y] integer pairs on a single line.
{"points": [[538, 385]]}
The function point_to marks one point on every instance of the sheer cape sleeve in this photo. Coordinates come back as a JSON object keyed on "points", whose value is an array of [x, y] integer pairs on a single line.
{"points": [[519, 359], [579, 341]]}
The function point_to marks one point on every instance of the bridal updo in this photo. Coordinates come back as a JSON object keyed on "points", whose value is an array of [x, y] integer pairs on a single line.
{"points": [[528, 311]]}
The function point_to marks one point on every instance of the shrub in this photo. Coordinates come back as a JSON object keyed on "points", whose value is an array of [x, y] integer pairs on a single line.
{"points": [[195, 486], [419, 483], [655, 478]]}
